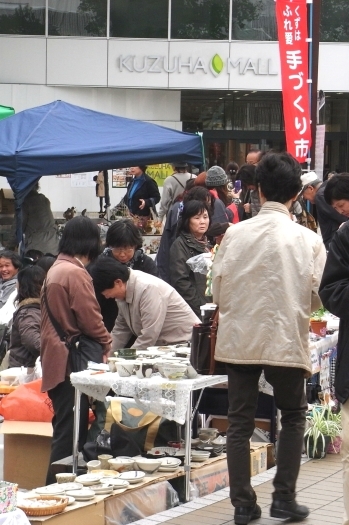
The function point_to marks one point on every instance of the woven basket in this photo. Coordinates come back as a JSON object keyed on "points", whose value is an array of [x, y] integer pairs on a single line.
{"points": [[62, 502]]}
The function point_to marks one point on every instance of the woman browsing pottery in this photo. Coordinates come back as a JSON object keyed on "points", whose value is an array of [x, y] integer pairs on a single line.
{"points": [[142, 193], [191, 241]]}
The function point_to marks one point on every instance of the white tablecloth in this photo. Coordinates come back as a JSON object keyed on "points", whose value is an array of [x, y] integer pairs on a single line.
{"points": [[161, 396]]}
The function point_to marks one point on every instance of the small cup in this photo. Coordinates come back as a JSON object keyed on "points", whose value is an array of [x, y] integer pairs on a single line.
{"points": [[103, 458], [125, 369], [93, 465], [65, 477]]}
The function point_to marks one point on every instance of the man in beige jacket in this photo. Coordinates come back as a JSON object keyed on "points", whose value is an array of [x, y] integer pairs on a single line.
{"points": [[149, 309], [266, 277]]}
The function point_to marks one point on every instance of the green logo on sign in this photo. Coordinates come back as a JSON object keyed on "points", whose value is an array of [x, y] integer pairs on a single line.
{"points": [[216, 65]]}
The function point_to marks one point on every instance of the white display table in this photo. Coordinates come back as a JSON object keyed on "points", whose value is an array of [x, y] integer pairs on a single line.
{"points": [[16, 517], [170, 399]]}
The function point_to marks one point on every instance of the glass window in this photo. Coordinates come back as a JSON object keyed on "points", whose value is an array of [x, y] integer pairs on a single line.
{"points": [[200, 19], [254, 20], [334, 26], [77, 17], [22, 18], [255, 115], [139, 18], [198, 115]]}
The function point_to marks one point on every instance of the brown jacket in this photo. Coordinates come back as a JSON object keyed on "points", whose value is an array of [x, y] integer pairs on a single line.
{"points": [[73, 303]]}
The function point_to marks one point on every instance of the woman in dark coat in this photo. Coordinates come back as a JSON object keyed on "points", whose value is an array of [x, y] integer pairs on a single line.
{"points": [[142, 193], [191, 241], [124, 243], [25, 334]]}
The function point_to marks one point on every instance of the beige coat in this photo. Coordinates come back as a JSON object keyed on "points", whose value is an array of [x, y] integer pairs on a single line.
{"points": [[101, 187], [266, 276], [154, 312]]}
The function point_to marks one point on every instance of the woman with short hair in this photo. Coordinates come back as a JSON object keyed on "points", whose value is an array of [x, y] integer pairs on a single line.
{"points": [[192, 227], [69, 295], [124, 243]]}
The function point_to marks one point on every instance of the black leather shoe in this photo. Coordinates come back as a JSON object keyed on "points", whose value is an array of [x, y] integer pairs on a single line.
{"points": [[244, 515], [288, 510]]}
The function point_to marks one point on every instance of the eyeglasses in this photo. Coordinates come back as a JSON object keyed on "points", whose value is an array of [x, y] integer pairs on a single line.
{"points": [[121, 251]]}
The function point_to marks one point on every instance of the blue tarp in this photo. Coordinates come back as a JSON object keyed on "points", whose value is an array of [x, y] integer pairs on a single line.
{"points": [[62, 138]]}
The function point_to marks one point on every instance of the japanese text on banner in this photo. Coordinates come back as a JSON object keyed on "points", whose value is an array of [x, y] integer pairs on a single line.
{"points": [[293, 32]]}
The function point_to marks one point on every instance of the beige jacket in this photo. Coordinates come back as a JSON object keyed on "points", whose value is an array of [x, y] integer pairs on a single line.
{"points": [[101, 187], [154, 312], [266, 276]]}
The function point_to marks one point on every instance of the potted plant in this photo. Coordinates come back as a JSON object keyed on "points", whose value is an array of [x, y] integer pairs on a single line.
{"points": [[317, 322], [324, 427]]}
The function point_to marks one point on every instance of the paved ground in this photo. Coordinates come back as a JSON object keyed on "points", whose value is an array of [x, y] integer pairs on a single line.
{"points": [[319, 487]]}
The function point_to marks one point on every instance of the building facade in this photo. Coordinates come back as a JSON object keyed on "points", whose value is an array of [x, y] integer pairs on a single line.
{"points": [[197, 65]]}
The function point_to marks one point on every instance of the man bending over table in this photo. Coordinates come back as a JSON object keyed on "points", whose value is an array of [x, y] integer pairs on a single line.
{"points": [[149, 308]]}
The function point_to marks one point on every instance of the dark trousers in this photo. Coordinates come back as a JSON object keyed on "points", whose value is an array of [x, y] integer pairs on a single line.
{"points": [[62, 397], [288, 384]]}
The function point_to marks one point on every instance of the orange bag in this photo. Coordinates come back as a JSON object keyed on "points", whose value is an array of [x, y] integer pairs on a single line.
{"points": [[27, 403]]}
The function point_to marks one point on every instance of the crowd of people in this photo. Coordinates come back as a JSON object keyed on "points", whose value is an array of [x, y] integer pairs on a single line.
{"points": [[269, 272]]}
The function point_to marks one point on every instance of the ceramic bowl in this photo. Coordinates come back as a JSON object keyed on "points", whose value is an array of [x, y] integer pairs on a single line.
{"points": [[133, 476], [144, 369], [126, 353], [93, 465], [173, 371], [148, 465], [112, 363], [121, 464], [125, 369], [65, 477]]}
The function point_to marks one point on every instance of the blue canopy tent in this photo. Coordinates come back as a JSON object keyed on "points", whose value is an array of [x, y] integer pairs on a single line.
{"points": [[62, 138]]}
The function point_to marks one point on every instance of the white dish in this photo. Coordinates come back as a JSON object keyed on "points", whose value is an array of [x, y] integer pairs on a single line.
{"points": [[115, 483], [133, 476], [71, 485], [102, 488], [161, 349], [171, 451], [53, 489], [168, 469], [88, 479], [70, 500], [82, 494], [170, 462]]}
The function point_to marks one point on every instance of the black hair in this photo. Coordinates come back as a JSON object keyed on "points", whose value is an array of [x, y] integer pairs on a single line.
{"points": [[123, 234], [143, 168], [247, 175], [105, 271], [200, 193], [95, 178], [337, 188], [46, 262], [232, 169], [190, 209], [14, 258], [279, 177], [34, 254], [30, 281], [80, 237]]}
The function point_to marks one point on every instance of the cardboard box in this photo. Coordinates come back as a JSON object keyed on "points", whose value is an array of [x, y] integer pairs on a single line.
{"points": [[27, 448], [7, 202], [258, 458], [209, 478]]}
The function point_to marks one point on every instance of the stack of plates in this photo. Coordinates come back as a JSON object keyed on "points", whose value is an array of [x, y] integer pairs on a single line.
{"points": [[82, 494], [89, 479], [101, 488], [115, 483], [133, 476], [200, 455], [169, 465], [219, 444]]}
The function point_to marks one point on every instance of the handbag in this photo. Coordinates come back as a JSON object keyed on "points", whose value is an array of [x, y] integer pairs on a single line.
{"points": [[82, 348], [203, 345]]}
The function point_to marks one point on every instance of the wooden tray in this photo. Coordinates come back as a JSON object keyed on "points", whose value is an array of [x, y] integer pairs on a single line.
{"points": [[62, 502]]}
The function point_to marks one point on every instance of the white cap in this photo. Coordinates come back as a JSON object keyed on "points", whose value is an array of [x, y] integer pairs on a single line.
{"points": [[309, 179]]}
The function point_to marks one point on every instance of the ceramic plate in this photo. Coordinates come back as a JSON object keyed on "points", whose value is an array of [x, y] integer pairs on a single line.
{"points": [[115, 483], [82, 494], [89, 479], [105, 473], [170, 462], [133, 476], [72, 485], [171, 451], [70, 500], [101, 488], [168, 469], [50, 489]]}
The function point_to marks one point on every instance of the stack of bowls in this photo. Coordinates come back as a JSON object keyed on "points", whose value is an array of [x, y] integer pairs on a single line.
{"points": [[200, 455], [218, 445]]}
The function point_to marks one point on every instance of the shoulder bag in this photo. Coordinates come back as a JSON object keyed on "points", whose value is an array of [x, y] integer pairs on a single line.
{"points": [[203, 346], [82, 348]]}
